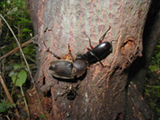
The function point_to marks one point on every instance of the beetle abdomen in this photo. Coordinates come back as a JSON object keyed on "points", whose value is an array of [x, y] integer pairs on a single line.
{"points": [[61, 69]]}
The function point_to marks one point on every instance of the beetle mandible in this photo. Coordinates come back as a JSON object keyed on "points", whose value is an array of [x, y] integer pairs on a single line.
{"points": [[66, 69]]}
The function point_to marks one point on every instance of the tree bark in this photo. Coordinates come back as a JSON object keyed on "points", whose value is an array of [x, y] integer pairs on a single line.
{"points": [[103, 92]]}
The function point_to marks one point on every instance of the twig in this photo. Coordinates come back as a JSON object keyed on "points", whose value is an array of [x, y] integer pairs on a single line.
{"points": [[8, 95], [25, 63], [17, 48], [25, 102]]}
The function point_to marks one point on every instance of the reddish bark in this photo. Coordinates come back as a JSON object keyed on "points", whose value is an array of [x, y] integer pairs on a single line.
{"points": [[103, 90]]}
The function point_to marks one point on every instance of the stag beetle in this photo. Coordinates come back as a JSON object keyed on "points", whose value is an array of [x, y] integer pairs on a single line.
{"points": [[71, 92], [94, 54], [66, 69]]}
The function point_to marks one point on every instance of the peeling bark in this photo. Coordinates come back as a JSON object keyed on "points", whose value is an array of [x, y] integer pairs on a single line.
{"points": [[102, 92]]}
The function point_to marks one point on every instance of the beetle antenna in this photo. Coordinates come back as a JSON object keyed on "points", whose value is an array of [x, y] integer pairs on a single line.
{"points": [[53, 54], [90, 44]]}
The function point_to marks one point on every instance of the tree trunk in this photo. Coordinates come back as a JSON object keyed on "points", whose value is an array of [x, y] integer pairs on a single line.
{"points": [[103, 92]]}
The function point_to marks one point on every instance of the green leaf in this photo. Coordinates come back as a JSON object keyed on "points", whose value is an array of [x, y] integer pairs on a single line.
{"points": [[152, 68], [158, 46], [4, 106], [13, 11], [28, 51], [158, 110], [11, 73], [2, 109], [42, 116], [26, 30], [146, 90], [156, 86], [19, 79], [25, 20], [16, 66]]}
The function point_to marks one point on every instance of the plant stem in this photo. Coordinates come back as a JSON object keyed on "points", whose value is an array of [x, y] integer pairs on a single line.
{"points": [[20, 48], [25, 102], [8, 95]]}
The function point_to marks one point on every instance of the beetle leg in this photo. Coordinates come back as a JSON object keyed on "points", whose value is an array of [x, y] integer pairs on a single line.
{"points": [[101, 39], [53, 54], [60, 95], [90, 44], [70, 52], [77, 86], [89, 49], [96, 57]]}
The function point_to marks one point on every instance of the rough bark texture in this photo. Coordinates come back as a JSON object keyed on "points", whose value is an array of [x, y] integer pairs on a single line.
{"points": [[103, 92], [139, 67], [151, 36]]}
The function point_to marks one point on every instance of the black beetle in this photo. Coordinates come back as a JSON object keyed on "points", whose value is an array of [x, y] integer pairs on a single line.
{"points": [[101, 51], [70, 92], [66, 69]]}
